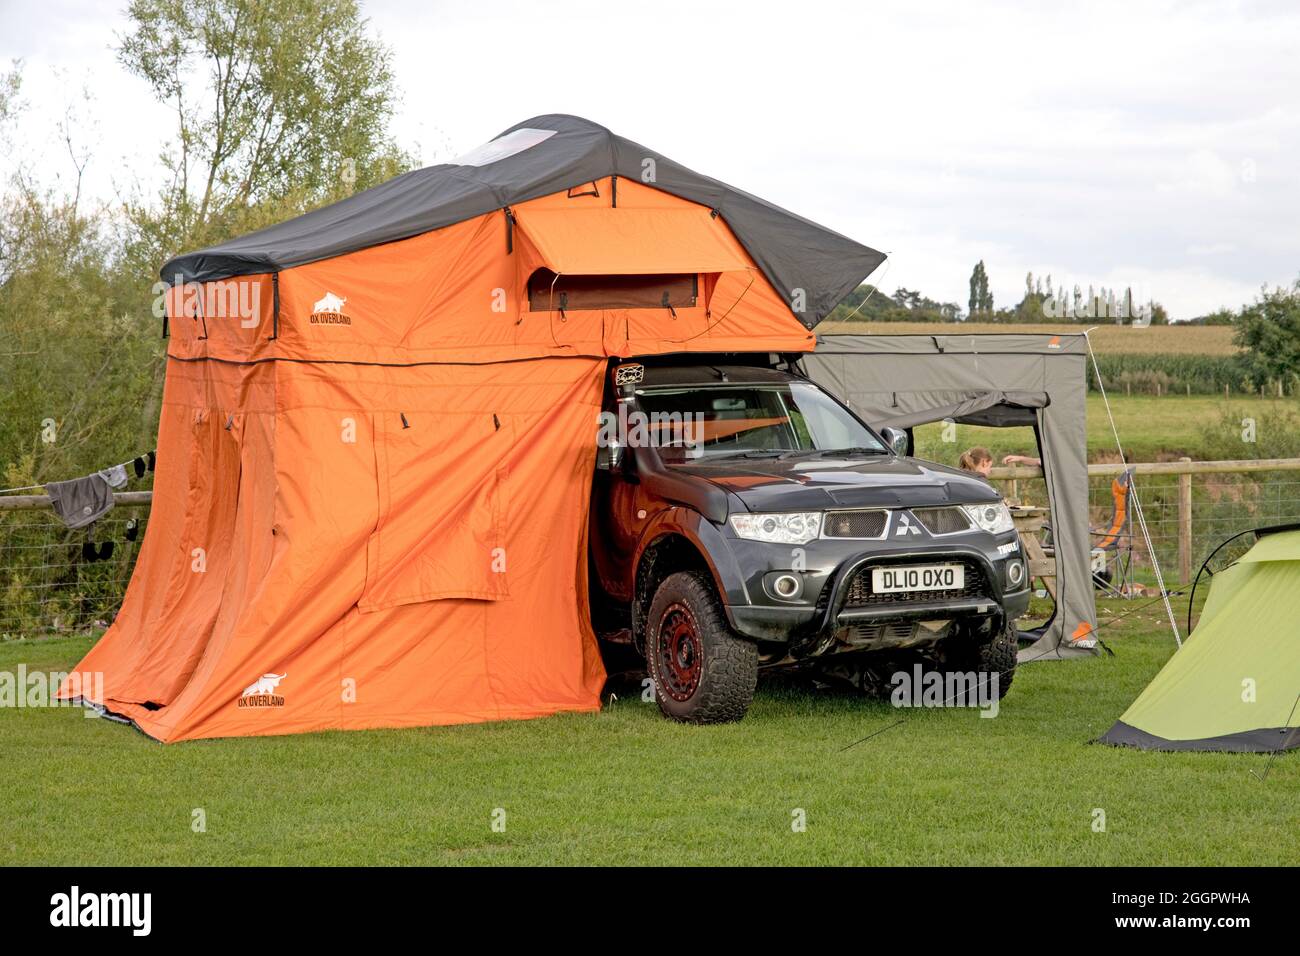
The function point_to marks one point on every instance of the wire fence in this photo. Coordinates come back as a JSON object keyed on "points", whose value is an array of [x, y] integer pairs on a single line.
{"points": [[1187, 517], [57, 580]]}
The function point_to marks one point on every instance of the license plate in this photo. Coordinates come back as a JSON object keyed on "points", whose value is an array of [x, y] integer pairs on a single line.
{"points": [[918, 577]]}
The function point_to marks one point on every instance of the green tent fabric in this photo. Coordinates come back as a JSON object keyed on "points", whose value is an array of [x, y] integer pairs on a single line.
{"points": [[1235, 683]]}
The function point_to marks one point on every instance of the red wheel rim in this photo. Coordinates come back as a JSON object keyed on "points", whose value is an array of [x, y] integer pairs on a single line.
{"points": [[680, 654]]}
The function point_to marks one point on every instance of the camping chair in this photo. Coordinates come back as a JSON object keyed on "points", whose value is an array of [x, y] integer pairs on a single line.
{"points": [[1112, 548]]}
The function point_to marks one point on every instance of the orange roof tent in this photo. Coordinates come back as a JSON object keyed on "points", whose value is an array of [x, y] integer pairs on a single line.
{"points": [[378, 433]]}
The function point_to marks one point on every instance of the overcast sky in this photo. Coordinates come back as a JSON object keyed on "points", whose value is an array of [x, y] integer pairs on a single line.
{"points": [[1151, 145]]}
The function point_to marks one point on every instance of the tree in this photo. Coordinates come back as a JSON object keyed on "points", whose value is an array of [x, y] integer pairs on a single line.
{"points": [[10, 84], [1031, 307], [981, 301], [1268, 333], [280, 105], [867, 304], [1217, 317], [70, 354]]}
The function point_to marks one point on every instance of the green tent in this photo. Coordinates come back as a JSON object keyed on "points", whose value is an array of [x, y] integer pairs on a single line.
{"points": [[1235, 683]]}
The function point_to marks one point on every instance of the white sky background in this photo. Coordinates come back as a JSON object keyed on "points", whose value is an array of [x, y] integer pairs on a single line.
{"points": [[1152, 145]]}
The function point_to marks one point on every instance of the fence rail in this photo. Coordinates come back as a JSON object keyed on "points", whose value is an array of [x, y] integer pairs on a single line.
{"points": [[1183, 466], [121, 499], [50, 584], [1228, 491]]}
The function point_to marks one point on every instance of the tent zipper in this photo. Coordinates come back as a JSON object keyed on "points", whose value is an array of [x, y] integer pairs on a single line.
{"points": [[275, 306]]}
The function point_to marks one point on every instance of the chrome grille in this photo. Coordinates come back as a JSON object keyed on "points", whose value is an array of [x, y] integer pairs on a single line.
{"points": [[942, 520], [856, 524]]}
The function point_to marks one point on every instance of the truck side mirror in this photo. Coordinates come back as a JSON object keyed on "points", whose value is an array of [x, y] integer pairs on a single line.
{"points": [[897, 439]]}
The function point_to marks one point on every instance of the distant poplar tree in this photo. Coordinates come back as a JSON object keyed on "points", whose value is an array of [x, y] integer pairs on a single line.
{"points": [[981, 301]]}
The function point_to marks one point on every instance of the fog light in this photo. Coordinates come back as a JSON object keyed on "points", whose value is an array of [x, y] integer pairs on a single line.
{"points": [[786, 586], [1015, 573]]}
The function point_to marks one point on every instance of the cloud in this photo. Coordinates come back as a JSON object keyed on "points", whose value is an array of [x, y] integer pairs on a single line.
{"points": [[1128, 144]]}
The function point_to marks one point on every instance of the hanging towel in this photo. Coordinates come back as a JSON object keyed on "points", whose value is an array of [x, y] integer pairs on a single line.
{"points": [[115, 476], [80, 501]]}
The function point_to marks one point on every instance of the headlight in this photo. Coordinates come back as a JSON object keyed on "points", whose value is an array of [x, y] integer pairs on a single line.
{"points": [[993, 518], [799, 527]]}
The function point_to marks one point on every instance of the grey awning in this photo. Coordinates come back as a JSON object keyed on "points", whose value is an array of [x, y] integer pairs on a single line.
{"points": [[996, 408]]}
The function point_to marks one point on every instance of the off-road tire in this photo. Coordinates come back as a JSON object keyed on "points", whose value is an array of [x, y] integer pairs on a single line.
{"points": [[703, 673], [993, 656]]}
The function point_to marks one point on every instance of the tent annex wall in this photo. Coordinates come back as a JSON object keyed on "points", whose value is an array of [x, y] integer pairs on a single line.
{"points": [[1234, 684], [370, 504], [992, 379]]}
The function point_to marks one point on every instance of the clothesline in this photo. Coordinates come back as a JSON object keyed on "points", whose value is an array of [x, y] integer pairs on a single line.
{"points": [[148, 457], [80, 502]]}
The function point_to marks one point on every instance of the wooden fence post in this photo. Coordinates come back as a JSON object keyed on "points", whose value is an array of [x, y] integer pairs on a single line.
{"points": [[1185, 526]]}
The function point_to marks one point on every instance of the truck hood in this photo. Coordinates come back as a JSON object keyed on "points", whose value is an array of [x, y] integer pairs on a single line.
{"points": [[804, 483]]}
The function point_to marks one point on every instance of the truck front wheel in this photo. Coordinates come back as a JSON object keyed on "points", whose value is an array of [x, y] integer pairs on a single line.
{"points": [[986, 655], [703, 673]]}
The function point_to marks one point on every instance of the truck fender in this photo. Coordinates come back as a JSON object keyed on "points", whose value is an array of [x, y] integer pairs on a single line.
{"points": [[707, 539]]}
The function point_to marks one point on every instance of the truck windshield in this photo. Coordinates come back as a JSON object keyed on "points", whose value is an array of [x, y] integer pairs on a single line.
{"points": [[758, 419]]}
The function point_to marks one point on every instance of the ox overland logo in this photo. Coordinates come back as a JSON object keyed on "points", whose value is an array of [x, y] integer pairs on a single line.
{"points": [[329, 311], [261, 693]]}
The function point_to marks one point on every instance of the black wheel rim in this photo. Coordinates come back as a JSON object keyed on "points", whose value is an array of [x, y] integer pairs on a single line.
{"points": [[679, 653]]}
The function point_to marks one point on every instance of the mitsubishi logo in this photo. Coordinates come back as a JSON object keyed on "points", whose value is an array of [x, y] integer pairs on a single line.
{"points": [[905, 526]]}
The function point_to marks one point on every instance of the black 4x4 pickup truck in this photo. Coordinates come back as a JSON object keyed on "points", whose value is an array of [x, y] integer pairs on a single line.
{"points": [[757, 522]]}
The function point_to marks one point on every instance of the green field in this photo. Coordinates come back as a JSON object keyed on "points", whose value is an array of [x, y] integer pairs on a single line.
{"points": [[627, 787], [1201, 427]]}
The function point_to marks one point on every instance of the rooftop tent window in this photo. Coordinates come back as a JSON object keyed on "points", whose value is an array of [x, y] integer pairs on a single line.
{"points": [[503, 147], [548, 292]]}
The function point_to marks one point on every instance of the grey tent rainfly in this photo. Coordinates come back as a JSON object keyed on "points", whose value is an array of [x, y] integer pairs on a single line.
{"points": [[811, 267], [1035, 380]]}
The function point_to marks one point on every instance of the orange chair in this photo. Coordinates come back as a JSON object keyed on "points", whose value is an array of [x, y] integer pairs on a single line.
{"points": [[1112, 552]]}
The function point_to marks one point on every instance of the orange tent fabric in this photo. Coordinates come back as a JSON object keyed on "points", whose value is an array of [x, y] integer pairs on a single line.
{"points": [[371, 497], [631, 241]]}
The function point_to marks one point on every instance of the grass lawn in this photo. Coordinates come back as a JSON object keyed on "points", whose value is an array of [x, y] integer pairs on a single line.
{"points": [[627, 787]]}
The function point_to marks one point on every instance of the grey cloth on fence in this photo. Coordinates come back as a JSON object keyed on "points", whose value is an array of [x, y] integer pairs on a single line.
{"points": [[80, 501], [115, 476]]}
